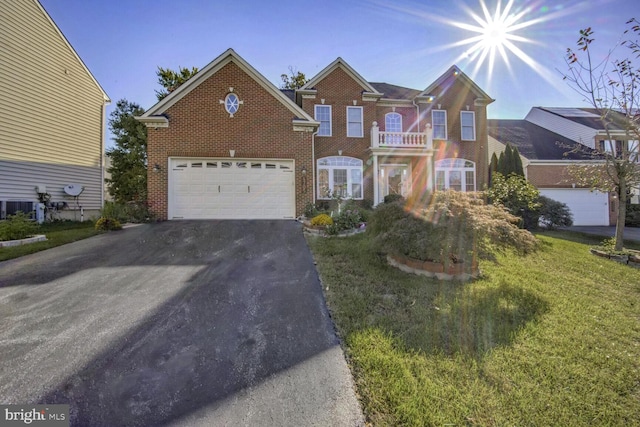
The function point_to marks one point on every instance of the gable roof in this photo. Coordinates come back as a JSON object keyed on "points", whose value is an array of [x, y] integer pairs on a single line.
{"points": [[585, 116], [154, 114], [390, 91], [462, 77], [342, 64], [73, 51], [534, 142]]}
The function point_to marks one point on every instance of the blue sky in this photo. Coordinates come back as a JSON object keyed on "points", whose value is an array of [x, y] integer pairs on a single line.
{"points": [[407, 43]]}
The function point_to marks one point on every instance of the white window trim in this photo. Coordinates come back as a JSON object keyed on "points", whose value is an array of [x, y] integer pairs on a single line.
{"points": [[348, 168], [315, 116], [473, 115], [386, 128], [457, 165], [445, 124], [361, 122]]}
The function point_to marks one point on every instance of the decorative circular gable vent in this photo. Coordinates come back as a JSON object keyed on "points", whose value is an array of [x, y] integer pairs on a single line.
{"points": [[231, 104]]}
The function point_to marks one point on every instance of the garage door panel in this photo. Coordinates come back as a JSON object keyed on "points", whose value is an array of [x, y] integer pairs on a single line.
{"points": [[227, 189], [587, 207]]}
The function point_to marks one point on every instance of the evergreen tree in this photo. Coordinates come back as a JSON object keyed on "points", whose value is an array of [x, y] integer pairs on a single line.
{"points": [[128, 169]]}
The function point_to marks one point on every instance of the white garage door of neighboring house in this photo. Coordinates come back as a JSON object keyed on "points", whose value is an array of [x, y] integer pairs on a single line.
{"points": [[587, 207], [231, 189]]}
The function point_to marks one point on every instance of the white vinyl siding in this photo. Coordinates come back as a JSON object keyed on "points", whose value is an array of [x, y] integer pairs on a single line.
{"points": [[467, 125], [354, 122], [323, 115], [51, 109], [439, 121]]}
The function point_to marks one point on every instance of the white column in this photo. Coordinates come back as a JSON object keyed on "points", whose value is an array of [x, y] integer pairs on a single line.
{"points": [[376, 181]]}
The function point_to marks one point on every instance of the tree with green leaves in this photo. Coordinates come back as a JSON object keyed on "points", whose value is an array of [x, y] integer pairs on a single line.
{"points": [[294, 80], [612, 87], [509, 162], [170, 80], [517, 195], [128, 168]]}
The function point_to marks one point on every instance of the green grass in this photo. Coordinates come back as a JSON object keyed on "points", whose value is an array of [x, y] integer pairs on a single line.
{"points": [[552, 338], [58, 233]]}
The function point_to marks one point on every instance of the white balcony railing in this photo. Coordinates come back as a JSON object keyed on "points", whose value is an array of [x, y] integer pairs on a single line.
{"points": [[401, 139]]}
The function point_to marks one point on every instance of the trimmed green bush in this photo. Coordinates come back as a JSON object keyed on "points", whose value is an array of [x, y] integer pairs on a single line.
{"points": [[554, 214], [17, 227]]}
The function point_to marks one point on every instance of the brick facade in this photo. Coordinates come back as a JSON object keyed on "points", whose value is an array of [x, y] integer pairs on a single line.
{"points": [[201, 127], [196, 124]]}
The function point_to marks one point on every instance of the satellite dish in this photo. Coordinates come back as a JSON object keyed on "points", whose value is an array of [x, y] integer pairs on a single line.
{"points": [[73, 189]]}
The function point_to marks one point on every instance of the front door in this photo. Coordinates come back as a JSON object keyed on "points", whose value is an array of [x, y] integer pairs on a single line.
{"points": [[395, 179]]}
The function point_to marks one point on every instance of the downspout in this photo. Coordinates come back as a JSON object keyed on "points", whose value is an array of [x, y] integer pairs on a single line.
{"points": [[103, 150], [417, 113], [313, 166]]}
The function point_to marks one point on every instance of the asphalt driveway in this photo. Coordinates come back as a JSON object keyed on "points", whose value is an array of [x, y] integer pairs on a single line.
{"points": [[216, 323]]}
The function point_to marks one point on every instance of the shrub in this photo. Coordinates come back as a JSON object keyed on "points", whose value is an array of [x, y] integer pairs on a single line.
{"points": [[384, 216], [108, 224], [17, 227], [322, 219], [633, 215], [114, 210], [448, 227], [390, 198], [554, 214], [347, 219], [310, 210], [517, 195]]}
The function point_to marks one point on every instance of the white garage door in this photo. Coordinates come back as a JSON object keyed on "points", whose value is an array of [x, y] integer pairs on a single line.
{"points": [[587, 207], [231, 189]]}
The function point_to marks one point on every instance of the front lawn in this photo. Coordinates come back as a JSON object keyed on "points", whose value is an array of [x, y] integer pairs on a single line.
{"points": [[552, 338], [58, 233]]}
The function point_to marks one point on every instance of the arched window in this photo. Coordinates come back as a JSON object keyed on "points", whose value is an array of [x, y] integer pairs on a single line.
{"points": [[339, 175], [393, 123], [456, 174]]}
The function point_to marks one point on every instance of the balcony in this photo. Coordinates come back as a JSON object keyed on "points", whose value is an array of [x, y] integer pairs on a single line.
{"points": [[419, 140]]}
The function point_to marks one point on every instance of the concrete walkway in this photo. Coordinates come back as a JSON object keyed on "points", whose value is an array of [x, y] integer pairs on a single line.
{"points": [[630, 233], [194, 323]]}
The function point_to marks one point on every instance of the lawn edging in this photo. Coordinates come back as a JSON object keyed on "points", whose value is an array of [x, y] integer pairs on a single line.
{"points": [[26, 241], [433, 269], [632, 260]]}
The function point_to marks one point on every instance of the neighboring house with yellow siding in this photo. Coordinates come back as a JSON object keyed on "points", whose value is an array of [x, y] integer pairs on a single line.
{"points": [[52, 116]]}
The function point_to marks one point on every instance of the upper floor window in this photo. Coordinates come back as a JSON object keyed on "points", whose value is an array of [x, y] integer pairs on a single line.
{"points": [[439, 121], [231, 103], [354, 122], [339, 175], [323, 115], [619, 149], [468, 125], [455, 174], [393, 122]]}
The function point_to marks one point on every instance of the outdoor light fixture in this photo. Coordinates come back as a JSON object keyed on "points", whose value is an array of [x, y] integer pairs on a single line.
{"points": [[303, 171], [156, 168]]}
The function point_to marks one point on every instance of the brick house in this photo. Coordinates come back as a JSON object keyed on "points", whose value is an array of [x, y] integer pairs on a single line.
{"points": [[229, 144], [544, 139]]}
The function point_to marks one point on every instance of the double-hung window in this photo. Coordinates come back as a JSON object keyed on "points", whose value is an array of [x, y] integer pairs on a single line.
{"points": [[439, 120], [468, 125], [339, 176], [354, 122], [323, 115]]}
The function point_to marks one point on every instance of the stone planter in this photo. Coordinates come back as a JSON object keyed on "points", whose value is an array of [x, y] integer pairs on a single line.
{"points": [[632, 259], [434, 269], [32, 239], [321, 230]]}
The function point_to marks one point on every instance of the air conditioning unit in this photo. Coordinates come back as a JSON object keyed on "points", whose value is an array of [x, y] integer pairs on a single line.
{"points": [[12, 206]]}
